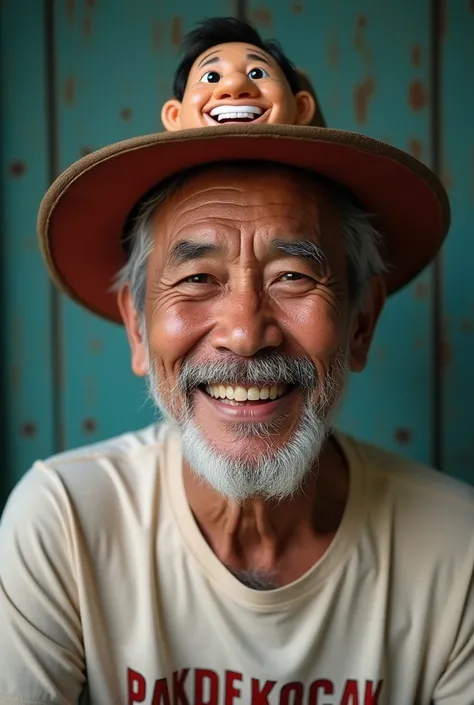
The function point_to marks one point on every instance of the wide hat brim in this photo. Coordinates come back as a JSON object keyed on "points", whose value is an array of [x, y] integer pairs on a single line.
{"points": [[82, 216]]}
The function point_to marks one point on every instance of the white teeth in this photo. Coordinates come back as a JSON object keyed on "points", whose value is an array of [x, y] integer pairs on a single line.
{"points": [[236, 110], [240, 394], [236, 116]]}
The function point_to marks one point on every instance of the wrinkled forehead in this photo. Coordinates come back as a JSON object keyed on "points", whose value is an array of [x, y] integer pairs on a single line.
{"points": [[271, 197], [233, 52]]}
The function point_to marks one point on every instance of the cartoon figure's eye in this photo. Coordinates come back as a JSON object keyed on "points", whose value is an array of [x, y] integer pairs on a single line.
{"points": [[211, 77], [255, 74]]}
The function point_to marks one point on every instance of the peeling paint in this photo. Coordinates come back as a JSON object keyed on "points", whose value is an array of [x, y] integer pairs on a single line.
{"points": [[417, 95], [157, 35], [415, 147], [416, 55], [360, 42], [403, 435], [126, 113], [333, 51], [176, 31], [70, 91], [17, 168], [362, 95], [89, 425], [262, 16]]}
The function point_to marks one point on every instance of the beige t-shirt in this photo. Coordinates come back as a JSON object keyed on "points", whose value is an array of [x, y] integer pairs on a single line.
{"points": [[105, 580]]}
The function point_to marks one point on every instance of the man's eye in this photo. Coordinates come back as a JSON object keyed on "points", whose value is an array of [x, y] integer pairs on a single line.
{"points": [[293, 276], [211, 77], [197, 279], [255, 74]]}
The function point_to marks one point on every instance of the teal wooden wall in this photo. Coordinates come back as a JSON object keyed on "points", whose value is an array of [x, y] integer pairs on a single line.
{"points": [[78, 74]]}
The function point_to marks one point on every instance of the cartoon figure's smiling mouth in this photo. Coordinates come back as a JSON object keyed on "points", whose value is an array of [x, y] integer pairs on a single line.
{"points": [[235, 113]]}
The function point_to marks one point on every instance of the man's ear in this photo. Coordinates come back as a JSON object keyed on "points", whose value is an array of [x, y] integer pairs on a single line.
{"points": [[364, 324], [305, 107], [133, 325], [171, 115]]}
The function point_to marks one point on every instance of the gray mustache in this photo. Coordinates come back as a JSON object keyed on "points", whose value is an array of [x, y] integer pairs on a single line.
{"points": [[271, 369]]}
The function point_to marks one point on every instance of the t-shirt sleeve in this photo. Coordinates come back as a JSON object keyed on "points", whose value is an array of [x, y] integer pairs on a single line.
{"points": [[41, 647], [456, 685]]}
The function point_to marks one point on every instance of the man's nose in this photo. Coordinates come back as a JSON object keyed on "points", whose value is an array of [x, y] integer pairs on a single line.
{"points": [[245, 325], [236, 85]]}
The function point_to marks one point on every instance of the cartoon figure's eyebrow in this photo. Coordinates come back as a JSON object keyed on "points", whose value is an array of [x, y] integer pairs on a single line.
{"points": [[259, 57], [207, 60]]}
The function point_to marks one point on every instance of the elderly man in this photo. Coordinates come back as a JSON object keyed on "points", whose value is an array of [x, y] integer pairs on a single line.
{"points": [[244, 551]]}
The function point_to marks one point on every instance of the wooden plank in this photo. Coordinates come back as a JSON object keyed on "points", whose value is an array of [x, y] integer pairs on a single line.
{"points": [[25, 300], [369, 62], [457, 120], [115, 62]]}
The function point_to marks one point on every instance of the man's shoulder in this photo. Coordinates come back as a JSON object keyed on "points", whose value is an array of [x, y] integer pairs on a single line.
{"points": [[122, 447], [93, 481], [420, 499]]}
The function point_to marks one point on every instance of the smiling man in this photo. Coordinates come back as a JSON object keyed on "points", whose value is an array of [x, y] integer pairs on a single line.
{"points": [[243, 551]]}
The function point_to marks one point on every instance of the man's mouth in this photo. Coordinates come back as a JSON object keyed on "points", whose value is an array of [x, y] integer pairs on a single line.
{"points": [[236, 394], [235, 113]]}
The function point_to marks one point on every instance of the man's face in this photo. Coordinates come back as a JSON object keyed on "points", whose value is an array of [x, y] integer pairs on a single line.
{"points": [[249, 331], [237, 83]]}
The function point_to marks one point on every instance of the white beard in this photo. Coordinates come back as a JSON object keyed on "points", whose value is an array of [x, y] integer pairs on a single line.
{"points": [[275, 473]]}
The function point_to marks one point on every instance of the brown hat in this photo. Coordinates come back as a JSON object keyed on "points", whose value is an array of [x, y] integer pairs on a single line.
{"points": [[82, 216]]}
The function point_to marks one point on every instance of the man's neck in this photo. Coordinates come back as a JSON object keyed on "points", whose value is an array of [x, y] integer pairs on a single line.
{"points": [[272, 543]]}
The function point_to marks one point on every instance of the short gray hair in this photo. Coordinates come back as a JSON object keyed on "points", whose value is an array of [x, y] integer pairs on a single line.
{"points": [[361, 239]]}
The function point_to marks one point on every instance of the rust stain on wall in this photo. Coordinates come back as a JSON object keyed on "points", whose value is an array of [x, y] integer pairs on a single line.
{"points": [[421, 291], [420, 343], [333, 51], [472, 176], [361, 43], [90, 4], [417, 95], [362, 94], [157, 35], [415, 148], [297, 8], [262, 16], [17, 168], [403, 435], [87, 26], [416, 55], [70, 91], [126, 113], [471, 5], [89, 425], [176, 31], [95, 345], [70, 9], [29, 429], [467, 326]]}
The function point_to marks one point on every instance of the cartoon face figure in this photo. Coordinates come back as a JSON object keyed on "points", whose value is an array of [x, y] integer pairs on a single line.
{"points": [[237, 83]]}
